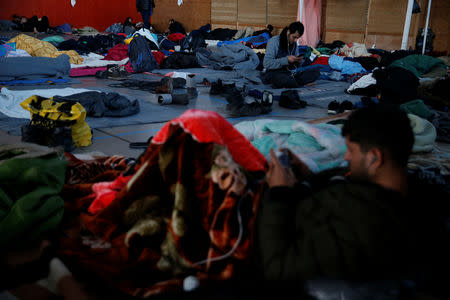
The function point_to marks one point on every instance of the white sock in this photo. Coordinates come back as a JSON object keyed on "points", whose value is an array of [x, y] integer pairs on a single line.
{"points": [[45, 283], [57, 271]]}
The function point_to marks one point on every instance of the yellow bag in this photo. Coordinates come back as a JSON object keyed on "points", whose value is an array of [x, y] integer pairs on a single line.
{"points": [[128, 40], [49, 114]]}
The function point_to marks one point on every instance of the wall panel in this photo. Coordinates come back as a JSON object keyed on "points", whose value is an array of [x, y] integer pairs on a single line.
{"points": [[252, 12], [440, 24], [223, 12], [281, 12], [346, 15], [192, 13]]}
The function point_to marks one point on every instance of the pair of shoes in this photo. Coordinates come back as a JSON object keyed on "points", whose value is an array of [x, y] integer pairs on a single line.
{"points": [[116, 72], [291, 99], [335, 107], [238, 109], [267, 98], [218, 88]]}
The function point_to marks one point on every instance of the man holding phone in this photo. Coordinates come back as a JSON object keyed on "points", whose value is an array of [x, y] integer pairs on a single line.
{"points": [[376, 223], [282, 58]]}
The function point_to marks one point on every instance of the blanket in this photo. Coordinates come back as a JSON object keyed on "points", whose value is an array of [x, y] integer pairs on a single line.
{"points": [[319, 146], [227, 57], [36, 47], [188, 209], [31, 68], [97, 60], [417, 64], [10, 99], [31, 178]]}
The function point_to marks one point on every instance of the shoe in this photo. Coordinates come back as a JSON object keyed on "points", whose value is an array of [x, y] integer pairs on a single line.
{"points": [[345, 106], [117, 72], [267, 98], [235, 96], [190, 81], [237, 109], [333, 107], [179, 83], [218, 88], [166, 86], [101, 74], [290, 99]]}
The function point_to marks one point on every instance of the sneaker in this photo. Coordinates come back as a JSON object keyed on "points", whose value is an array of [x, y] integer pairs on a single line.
{"points": [[166, 86], [117, 72], [235, 96], [333, 107], [218, 88], [101, 74], [267, 98], [290, 99], [345, 106], [238, 109]]}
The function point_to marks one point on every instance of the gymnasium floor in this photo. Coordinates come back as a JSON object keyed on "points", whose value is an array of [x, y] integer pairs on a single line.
{"points": [[112, 136]]}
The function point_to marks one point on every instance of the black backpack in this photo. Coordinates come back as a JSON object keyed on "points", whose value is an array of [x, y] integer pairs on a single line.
{"points": [[193, 41], [140, 54], [180, 60]]}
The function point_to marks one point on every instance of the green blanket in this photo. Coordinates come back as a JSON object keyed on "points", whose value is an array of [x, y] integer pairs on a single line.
{"points": [[418, 64], [30, 205]]}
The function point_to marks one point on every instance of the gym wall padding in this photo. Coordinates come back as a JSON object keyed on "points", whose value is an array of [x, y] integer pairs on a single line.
{"points": [[100, 14]]}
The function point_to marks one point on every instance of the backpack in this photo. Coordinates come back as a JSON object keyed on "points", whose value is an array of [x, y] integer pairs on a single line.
{"points": [[140, 54], [193, 41], [180, 60]]}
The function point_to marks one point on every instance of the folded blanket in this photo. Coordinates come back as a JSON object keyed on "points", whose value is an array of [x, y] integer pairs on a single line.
{"points": [[29, 68]]}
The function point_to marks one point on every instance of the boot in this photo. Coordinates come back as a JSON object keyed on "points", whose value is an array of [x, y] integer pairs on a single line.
{"points": [[166, 86]]}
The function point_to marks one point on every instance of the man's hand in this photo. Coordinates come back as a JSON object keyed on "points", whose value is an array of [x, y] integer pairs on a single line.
{"points": [[294, 59], [299, 168], [277, 175]]}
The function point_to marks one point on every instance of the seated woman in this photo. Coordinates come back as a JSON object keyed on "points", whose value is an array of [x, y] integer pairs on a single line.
{"points": [[282, 60], [128, 27], [175, 27]]}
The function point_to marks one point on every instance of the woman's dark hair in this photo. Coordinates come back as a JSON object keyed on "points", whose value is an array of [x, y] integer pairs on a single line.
{"points": [[127, 22], [293, 28], [16, 18]]}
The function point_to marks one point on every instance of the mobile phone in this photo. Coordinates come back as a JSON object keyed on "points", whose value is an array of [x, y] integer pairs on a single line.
{"points": [[283, 157], [301, 55]]}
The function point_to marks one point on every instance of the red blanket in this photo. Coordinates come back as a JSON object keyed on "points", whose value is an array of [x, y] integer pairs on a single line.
{"points": [[118, 52], [210, 127], [189, 208], [175, 37]]}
